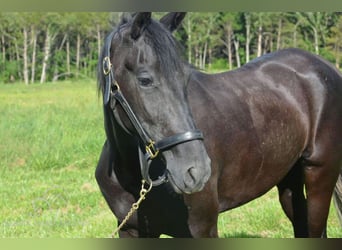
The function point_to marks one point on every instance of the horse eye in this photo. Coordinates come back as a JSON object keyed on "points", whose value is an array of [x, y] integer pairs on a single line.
{"points": [[145, 82]]}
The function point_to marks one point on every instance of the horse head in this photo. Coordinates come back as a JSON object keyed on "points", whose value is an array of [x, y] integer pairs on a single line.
{"points": [[147, 77]]}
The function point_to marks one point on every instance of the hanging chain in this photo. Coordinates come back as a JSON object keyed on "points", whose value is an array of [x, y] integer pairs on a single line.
{"points": [[134, 207]]}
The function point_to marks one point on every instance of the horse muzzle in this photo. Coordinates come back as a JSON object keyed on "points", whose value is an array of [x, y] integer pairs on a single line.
{"points": [[188, 178], [186, 172]]}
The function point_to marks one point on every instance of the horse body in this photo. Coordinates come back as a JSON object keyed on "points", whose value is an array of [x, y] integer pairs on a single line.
{"points": [[277, 124], [273, 122]]}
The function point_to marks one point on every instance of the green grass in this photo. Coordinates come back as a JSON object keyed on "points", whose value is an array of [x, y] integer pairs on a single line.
{"points": [[51, 136], [264, 217]]}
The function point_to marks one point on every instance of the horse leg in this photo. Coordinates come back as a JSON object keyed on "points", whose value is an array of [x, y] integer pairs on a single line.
{"points": [[292, 200], [203, 212], [338, 197], [320, 180], [118, 200]]}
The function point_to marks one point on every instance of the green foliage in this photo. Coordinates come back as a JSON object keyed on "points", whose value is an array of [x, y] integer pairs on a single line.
{"points": [[219, 64], [75, 38], [9, 72]]}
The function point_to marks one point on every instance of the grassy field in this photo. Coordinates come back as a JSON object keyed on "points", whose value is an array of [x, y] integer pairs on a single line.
{"points": [[51, 136]]}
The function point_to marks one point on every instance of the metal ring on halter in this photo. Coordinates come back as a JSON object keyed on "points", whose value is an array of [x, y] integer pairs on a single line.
{"points": [[156, 182], [160, 180], [145, 163], [107, 65], [115, 87]]}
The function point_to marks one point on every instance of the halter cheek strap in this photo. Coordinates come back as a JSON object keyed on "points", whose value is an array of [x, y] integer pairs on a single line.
{"points": [[107, 69]]}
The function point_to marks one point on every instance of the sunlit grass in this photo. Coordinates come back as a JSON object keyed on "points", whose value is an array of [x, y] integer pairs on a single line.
{"points": [[263, 217], [51, 137]]}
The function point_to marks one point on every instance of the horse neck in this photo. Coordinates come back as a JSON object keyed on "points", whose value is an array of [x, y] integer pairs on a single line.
{"points": [[124, 146]]}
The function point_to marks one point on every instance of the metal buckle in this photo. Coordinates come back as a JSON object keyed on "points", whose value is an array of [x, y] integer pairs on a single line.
{"points": [[151, 150], [115, 87], [107, 65]]}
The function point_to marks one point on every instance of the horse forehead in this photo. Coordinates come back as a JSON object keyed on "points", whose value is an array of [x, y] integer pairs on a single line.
{"points": [[134, 53], [145, 53]]}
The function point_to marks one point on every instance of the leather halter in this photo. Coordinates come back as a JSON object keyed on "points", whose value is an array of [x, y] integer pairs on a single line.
{"points": [[151, 148]]}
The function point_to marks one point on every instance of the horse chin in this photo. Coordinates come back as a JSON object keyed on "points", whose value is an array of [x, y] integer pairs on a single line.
{"points": [[173, 184]]}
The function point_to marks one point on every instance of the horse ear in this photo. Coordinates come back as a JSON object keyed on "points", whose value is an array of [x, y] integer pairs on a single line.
{"points": [[140, 22], [172, 20]]}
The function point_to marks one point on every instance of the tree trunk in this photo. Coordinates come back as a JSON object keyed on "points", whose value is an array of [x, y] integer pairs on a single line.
{"points": [[196, 56], [337, 57], [78, 52], [229, 46], [316, 40], [68, 55], [248, 35], [33, 60], [98, 28], [237, 55], [56, 73], [3, 49], [210, 52], [280, 25], [204, 55], [259, 41], [295, 35], [17, 56], [189, 40], [47, 45], [200, 57], [25, 58]]}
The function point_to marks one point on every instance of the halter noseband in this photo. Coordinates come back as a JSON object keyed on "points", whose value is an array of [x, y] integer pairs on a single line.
{"points": [[151, 148]]}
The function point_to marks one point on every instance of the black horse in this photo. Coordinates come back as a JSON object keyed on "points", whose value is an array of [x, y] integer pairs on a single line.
{"points": [[210, 143]]}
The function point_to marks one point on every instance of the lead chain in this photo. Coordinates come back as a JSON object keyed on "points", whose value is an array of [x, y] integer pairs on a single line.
{"points": [[135, 206]]}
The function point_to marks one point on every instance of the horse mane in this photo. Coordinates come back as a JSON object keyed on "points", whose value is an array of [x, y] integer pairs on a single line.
{"points": [[167, 49]]}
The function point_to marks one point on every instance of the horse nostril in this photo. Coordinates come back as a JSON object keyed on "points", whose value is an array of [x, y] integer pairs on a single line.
{"points": [[191, 177], [192, 172]]}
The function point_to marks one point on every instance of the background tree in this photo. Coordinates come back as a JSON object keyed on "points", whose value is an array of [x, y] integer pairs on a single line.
{"points": [[44, 47], [334, 41], [229, 38]]}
